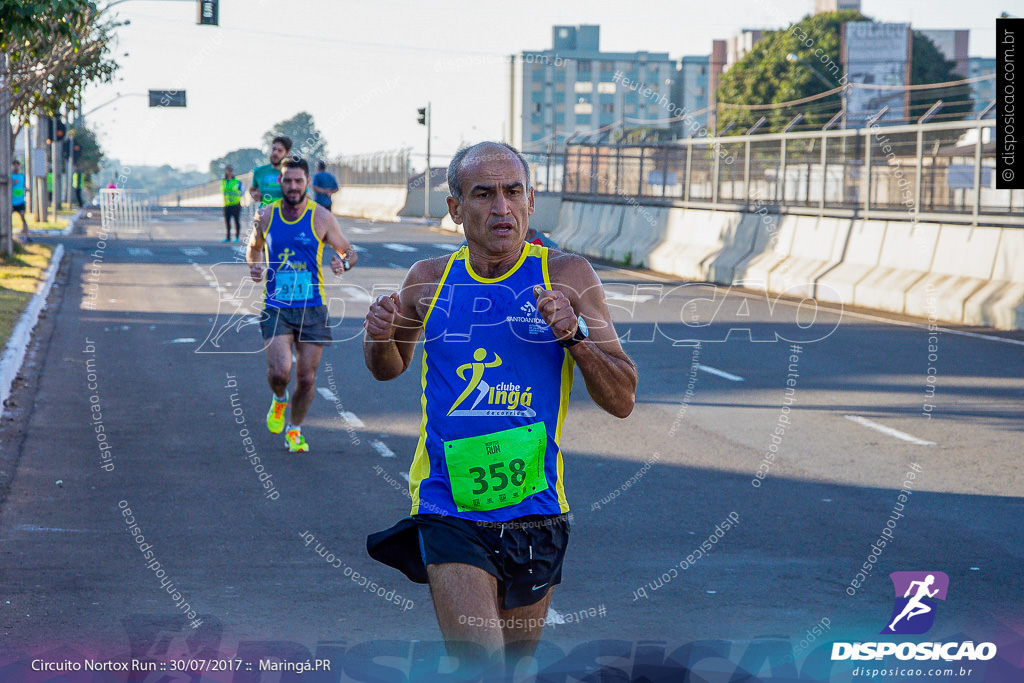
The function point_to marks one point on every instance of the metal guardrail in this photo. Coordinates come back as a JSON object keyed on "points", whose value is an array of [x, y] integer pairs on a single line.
{"points": [[125, 212], [942, 172]]}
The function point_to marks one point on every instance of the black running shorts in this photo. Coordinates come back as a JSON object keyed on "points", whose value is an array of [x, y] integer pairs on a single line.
{"points": [[307, 324], [525, 555]]}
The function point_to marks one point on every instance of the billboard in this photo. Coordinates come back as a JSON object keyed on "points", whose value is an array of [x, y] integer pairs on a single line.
{"points": [[876, 55]]}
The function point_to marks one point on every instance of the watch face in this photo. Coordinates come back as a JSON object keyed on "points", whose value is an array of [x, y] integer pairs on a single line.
{"points": [[583, 326]]}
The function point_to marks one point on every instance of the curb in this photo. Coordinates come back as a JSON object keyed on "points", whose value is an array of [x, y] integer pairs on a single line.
{"points": [[66, 230], [14, 353]]}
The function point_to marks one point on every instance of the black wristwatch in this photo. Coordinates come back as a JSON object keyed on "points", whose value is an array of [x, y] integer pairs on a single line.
{"points": [[581, 333], [345, 265]]}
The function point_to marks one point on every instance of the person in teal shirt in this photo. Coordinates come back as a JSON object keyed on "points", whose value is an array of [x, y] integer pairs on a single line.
{"points": [[266, 180], [18, 196]]}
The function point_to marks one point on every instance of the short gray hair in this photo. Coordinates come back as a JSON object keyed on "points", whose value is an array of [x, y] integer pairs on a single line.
{"points": [[455, 167]]}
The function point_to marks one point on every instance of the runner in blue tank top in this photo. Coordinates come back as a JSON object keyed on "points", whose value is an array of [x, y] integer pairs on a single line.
{"points": [[288, 243], [504, 324]]}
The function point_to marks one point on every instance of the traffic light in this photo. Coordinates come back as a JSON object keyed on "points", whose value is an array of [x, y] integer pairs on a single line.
{"points": [[422, 118], [55, 133], [208, 13]]}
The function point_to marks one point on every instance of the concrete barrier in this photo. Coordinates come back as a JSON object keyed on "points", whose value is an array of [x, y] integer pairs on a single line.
{"points": [[641, 232], [772, 244], [587, 229], [817, 247], [739, 239], [448, 224], [693, 238], [963, 263], [906, 256], [569, 216], [546, 210], [373, 202], [953, 273], [860, 255], [1000, 302], [609, 230]]}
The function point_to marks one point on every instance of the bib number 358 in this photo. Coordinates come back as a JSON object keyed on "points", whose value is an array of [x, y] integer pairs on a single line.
{"points": [[497, 470]]}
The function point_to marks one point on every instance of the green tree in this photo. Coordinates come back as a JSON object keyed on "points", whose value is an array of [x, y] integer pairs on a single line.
{"points": [[765, 75], [48, 51], [307, 140], [242, 160], [51, 64], [89, 154]]}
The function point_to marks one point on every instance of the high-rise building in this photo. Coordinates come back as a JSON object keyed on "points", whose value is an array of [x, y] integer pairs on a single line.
{"points": [[740, 44], [574, 87], [716, 67], [983, 91], [835, 5], [690, 93]]}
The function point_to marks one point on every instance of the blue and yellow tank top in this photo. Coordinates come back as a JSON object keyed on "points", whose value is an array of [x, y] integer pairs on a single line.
{"points": [[294, 254], [495, 391]]}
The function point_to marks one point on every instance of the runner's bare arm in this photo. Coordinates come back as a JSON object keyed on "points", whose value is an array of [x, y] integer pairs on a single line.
{"points": [[330, 232], [254, 250], [394, 323], [610, 374]]}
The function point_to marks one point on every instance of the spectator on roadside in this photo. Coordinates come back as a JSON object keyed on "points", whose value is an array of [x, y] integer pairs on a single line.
{"points": [[18, 197], [76, 183]]}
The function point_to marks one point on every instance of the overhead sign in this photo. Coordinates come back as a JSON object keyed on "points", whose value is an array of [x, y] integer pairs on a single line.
{"points": [[208, 12], [167, 98], [876, 55]]}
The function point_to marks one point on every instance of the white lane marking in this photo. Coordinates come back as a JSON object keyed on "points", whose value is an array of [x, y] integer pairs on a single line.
{"points": [[139, 251], [363, 231], [345, 415], [632, 298], [405, 475], [721, 373], [358, 248], [381, 448], [405, 248], [553, 617], [351, 419], [181, 340], [35, 527], [193, 251], [395, 265], [888, 430], [447, 247]]}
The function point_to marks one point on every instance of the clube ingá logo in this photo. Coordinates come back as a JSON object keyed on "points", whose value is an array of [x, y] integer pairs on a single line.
{"points": [[917, 594]]}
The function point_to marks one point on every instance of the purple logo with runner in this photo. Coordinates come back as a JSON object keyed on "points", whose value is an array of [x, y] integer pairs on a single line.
{"points": [[917, 594]]}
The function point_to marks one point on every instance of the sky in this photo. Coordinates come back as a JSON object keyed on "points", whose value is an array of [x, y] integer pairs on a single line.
{"points": [[363, 68]]}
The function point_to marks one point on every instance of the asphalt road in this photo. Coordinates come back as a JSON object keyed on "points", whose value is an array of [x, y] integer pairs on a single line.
{"points": [[779, 435]]}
